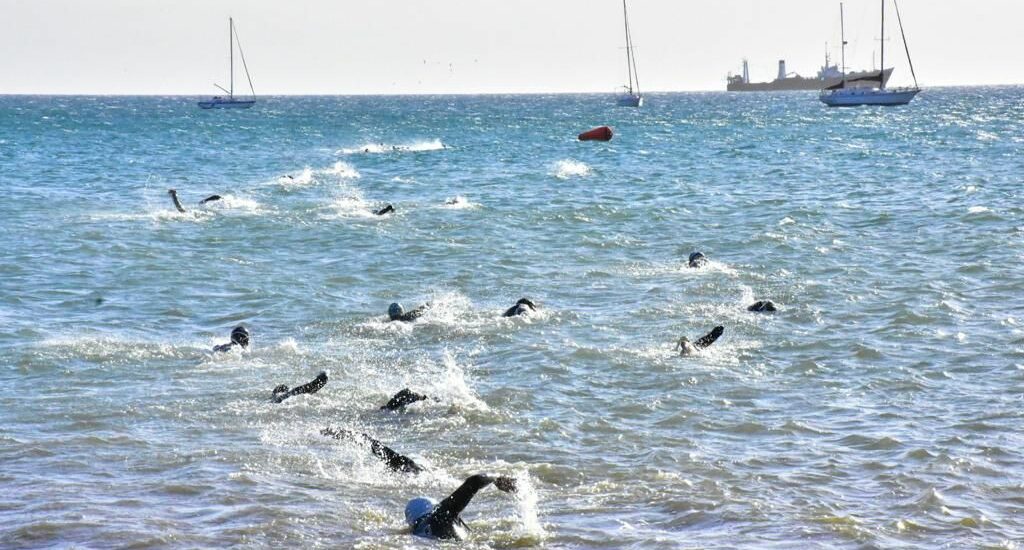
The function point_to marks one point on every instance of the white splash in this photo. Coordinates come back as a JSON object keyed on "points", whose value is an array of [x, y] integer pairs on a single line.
{"points": [[342, 170], [526, 504], [380, 147], [978, 210], [568, 168], [459, 203]]}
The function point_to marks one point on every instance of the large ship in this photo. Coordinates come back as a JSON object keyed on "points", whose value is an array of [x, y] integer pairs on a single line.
{"points": [[828, 75]]}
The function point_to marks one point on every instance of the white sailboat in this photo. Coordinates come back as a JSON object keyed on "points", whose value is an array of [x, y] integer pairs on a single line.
{"points": [[231, 102], [851, 93], [631, 96]]}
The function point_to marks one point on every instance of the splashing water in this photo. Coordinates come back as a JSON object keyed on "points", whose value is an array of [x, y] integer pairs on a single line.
{"points": [[565, 169]]}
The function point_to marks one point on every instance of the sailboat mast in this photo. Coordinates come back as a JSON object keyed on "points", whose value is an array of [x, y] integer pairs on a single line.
{"points": [[629, 57], [881, 76], [842, 34], [905, 47], [231, 50]]}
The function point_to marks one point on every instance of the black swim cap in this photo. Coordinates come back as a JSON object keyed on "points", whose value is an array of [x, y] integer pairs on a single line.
{"points": [[240, 336]]}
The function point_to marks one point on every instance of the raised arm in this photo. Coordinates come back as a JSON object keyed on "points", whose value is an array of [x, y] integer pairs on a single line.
{"points": [[709, 338], [447, 513], [174, 197]]}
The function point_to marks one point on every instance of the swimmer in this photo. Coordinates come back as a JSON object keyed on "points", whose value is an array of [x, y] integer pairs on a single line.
{"points": [[239, 337], [387, 455], [522, 307], [698, 259], [283, 392], [402, 399], [442, 521], [397, 313], [686, 348], [177, 204], [386, 210], [762, 306]]}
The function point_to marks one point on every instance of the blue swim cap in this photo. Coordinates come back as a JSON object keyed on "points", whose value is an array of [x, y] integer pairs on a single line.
{"points": [[417, 508], [395, 309]]}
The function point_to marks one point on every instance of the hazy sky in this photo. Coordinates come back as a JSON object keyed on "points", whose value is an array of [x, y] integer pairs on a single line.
{"points": [[465, 46]]}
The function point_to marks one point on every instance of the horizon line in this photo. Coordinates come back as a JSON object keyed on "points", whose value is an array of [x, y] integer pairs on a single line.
{"points": [[425, 94]]}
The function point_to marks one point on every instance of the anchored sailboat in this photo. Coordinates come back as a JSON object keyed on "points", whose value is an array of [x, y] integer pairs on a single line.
{"points": [[231, 102], [850, 93], [632, 96]]}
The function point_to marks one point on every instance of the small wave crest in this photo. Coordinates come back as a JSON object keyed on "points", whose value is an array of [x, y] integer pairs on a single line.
{"points": [[410, 147]]}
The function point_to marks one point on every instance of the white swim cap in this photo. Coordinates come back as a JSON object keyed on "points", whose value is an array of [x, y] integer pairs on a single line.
{"points": [[417, 508]]}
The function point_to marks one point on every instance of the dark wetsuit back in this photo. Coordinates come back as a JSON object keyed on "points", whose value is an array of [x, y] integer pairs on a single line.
{"points": [[410, 316], [760, 306], [403, 398]]}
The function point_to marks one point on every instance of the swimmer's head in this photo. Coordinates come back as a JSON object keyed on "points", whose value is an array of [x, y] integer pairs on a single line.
{"points": [[698, 259], [417, 508], [395, 310], [526, 302], [240, 336]]}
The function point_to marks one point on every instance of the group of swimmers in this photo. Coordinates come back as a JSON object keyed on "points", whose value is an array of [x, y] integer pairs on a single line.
{"points": [[425, 517]]}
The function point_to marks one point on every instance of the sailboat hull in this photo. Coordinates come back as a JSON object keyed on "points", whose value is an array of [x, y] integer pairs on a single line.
{"points": [[855, 97], [631, 100], [218, 103]]}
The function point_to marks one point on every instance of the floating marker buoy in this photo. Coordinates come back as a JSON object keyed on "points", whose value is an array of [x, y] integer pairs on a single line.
{"points": [[602, 133]]}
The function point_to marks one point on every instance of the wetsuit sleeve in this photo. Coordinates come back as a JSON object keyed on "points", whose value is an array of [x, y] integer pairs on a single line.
{"points": [[395, 461], [709, 338], [309, 387], [210, 199], [445, 516], [177, 204], [403, 398]]}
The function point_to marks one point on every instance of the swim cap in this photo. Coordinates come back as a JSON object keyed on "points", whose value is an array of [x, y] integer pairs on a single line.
{"points": [[240, 336], [696, 256], [417, 508], [395, 309]]}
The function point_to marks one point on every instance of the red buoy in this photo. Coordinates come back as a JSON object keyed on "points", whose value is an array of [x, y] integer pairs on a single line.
{"points": [[602, 133]]}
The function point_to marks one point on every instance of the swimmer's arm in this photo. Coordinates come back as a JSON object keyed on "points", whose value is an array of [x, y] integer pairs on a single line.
{"points": [[709, 338], [448, 511], [211, 198], [309, 387], [174, 197]]}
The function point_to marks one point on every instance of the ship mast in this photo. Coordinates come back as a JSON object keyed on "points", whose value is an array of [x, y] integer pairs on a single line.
{"points": [[629, 48], [231, 49], [842, 35], [881, 76]]}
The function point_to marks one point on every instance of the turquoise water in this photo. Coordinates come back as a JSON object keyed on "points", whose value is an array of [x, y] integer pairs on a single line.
{"points": [[880, 407]]}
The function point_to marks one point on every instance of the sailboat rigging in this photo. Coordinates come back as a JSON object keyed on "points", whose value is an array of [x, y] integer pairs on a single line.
{"points": [[850, 92], [632, 96], [231, 102]]}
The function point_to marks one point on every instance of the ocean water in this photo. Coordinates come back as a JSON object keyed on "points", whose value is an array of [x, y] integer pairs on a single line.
{"points": [[881, 406]]}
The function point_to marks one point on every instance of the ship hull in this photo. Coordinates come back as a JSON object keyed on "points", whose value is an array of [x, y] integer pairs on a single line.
{"points": [[227, 104], [798, 83], [857, 97]]}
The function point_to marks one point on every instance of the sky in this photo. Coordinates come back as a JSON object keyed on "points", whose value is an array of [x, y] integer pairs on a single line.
{"points": [[484, 46]]}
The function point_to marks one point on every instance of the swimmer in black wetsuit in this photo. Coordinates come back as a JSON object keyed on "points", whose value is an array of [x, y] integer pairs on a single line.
{"points": [[685, 347], [522, 307], [442, 521], [698, 259], [396, 462], [386, 210], [402, 399], [762, 306], [177, 204], [239, 337], [283, 392], [397, 313]]}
